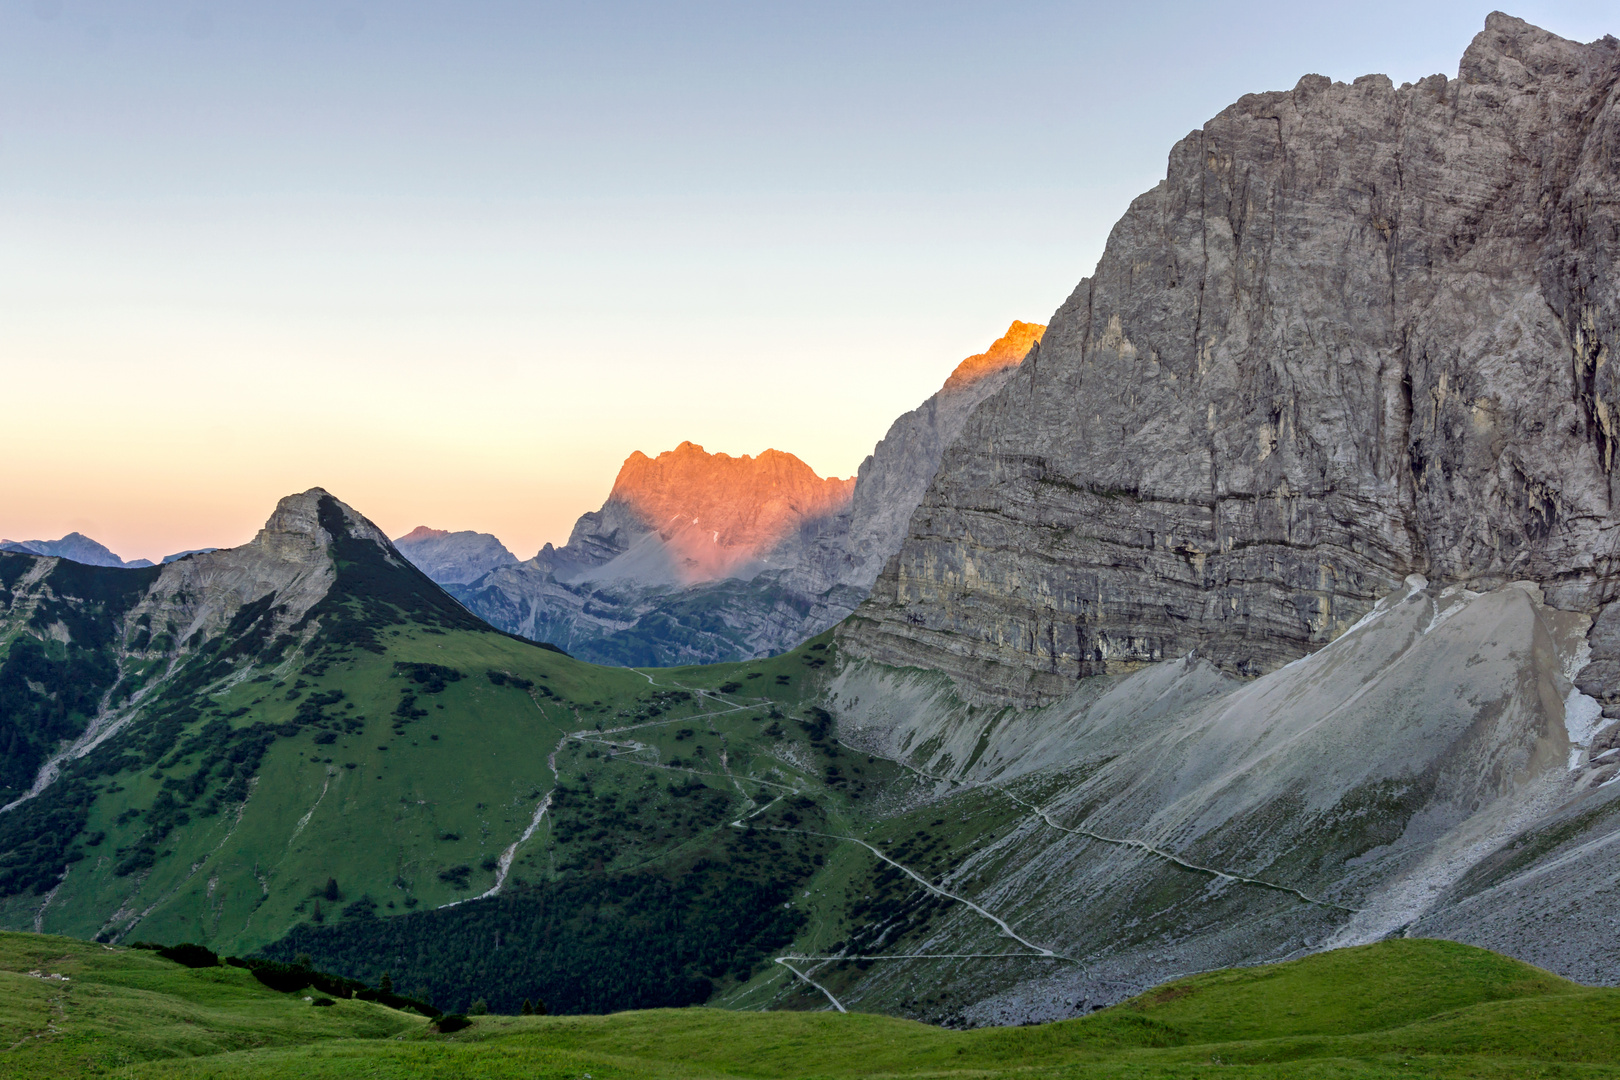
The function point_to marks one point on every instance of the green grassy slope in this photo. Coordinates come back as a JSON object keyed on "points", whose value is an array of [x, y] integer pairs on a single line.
{"points": [[1399, 1008], [684, 826], [382, 806], [388, 755], [75, 1008]]}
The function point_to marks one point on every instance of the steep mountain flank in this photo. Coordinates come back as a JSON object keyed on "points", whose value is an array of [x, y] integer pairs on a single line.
{"points": [[306, 734], [698, 558], [453, 558], [1432, 770], [103, 670], [1358, 332]]}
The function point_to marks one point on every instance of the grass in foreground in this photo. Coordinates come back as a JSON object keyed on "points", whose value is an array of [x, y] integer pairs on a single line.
{"points": [[1398, 1008]]}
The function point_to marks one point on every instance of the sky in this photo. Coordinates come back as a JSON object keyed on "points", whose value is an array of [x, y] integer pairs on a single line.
{"points": [[454, 261]]}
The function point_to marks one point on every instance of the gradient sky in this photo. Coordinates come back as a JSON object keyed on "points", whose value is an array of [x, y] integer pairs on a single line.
{"points": [[454, 261]]}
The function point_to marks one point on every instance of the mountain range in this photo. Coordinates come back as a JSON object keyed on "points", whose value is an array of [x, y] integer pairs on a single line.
{"points": [[1264, 605], [701, 558], [81, 549]]}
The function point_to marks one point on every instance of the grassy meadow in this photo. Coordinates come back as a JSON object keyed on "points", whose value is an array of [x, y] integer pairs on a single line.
{"points": [[1398, 1008]]}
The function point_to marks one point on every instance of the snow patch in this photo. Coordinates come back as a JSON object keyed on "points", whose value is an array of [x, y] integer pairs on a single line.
{"points": [[1583, 716]]}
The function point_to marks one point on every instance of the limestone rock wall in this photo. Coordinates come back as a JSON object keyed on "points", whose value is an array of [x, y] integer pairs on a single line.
{"points": [[1359, 331]]}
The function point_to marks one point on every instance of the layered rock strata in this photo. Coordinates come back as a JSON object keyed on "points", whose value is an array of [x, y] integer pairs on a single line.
{"points": [[1359, 331]]}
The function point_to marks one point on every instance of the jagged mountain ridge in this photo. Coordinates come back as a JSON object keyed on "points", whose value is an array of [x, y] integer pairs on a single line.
{"points": [[1359, 331], [687, 517], [82, 549], [749, 557]]}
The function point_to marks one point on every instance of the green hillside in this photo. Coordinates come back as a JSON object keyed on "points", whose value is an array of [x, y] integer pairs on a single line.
{"points": [[1399, 1008], [387, 783], [394, 782]]}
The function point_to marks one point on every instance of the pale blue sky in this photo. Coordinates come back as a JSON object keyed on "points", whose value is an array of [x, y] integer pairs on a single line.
{"points": [[455, 261]]}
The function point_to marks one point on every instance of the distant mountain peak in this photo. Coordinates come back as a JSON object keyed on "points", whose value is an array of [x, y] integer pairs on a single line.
{"points": [[453, 558], [1006, 351], [75, 547], [715, 513]]}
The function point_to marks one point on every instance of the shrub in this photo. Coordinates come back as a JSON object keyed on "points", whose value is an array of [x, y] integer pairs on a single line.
{"points": [[185, 954]]}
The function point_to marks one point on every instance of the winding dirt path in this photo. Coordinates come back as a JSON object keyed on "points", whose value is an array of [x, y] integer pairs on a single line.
{"points": [[836, 1003]]}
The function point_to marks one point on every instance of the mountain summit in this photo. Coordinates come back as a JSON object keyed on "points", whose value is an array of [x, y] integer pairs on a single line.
{"points": [[688, 516], [1005, 352], [453, 557]]}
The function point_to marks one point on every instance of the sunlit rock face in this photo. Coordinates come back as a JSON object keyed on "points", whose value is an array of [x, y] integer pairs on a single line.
{"points": [[1008, 351], [688, 516], [891, 481], [1359, 331]]}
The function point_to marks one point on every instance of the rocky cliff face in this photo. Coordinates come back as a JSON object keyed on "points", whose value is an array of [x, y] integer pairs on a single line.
{"points": [[697, 558], [1359, 331], [666, 572], [453, 558]]}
